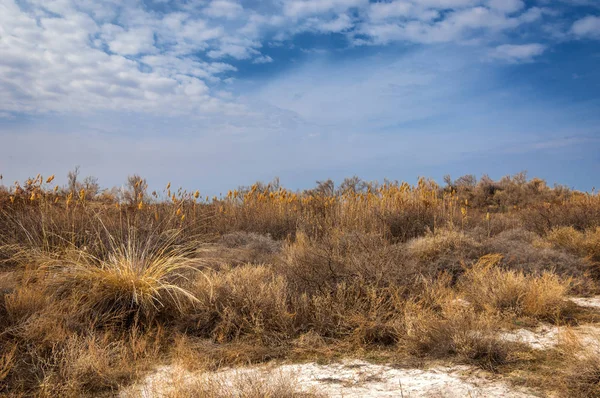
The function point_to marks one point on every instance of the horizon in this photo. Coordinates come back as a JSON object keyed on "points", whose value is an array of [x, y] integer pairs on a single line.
{"points": [[219, 94], [155, 187]]}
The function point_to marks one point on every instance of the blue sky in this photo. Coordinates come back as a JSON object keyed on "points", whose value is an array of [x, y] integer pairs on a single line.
{"points": [[216, 94]]}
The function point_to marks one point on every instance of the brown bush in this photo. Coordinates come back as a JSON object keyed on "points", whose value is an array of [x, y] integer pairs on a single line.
{"points": [[408, 223], [541, 218], [455, 331], [318, 265], [443, 251], [247, 301], [490, 288], [364, 314]]}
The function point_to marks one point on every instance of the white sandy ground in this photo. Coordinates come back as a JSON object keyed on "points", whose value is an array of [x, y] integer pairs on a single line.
{"points": [[355, 378], [347, 379], [546, 337], [549, 336], [590, 302]]}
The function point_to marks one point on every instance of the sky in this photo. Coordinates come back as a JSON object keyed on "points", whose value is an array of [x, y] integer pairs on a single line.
{"points": [[214, 94]]}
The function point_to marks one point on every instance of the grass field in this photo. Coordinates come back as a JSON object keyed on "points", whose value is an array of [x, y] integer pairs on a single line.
{"points": [[98, 288]]}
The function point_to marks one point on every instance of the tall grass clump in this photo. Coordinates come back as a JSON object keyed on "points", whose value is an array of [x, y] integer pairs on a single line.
{"points": [[489, 287], [139, 279]]}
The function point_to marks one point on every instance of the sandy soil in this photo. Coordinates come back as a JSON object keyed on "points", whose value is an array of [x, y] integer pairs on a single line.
{"points": [[590, 302], [355, 378], [548, 336], [348, 379]]}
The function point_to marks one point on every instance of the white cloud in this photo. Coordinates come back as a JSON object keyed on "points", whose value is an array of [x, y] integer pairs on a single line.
{"points": [[401, 9], [263, 59], [587, 27], [379, 11], [303, 8], [516, 53], [224, 9], [82, 55], [507, 6], [407, 21], [169, 65], [129, 42], [59, 65], [323, 25], [237, 48], [448, 4]]}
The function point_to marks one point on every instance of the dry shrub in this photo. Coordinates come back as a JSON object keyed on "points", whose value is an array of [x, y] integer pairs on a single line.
{"points": [[8, 282], [248, 247], [490, 288], [364, 314], [24, 302], [583, 377], [481, 226], [580, 243], [308, 342], [444, 251], [249, 301], [432, 246], [579, 214], [586, 243], [454, 331], [521, 251], [512, 235], [409, 222], [436, 292], [7, 360], [261, 217], [89, 364], [579, 374], [567, 238], [318, 265], [197, 353], [93, 364], [312, 265], [261, 243]]}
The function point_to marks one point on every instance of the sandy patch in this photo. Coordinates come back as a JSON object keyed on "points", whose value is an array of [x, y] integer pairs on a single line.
{"points": [[590, 302], [543, 337], [348, 379], [546, 337]]}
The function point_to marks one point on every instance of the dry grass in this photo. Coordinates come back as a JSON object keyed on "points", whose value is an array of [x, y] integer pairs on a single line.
{"points": [[582, 377], [582, 243], [95, 291], [134, 279], [446, 250], [586, 243], [240, 385], [246, 301], [527, 252], [490, 288], [579, 371]]}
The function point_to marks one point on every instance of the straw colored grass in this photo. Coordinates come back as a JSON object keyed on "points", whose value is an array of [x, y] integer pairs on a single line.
{"points": [[97, 288], [491, 288]]}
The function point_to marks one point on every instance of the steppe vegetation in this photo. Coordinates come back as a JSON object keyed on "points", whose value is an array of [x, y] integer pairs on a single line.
{"points": [[100, 287]]}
